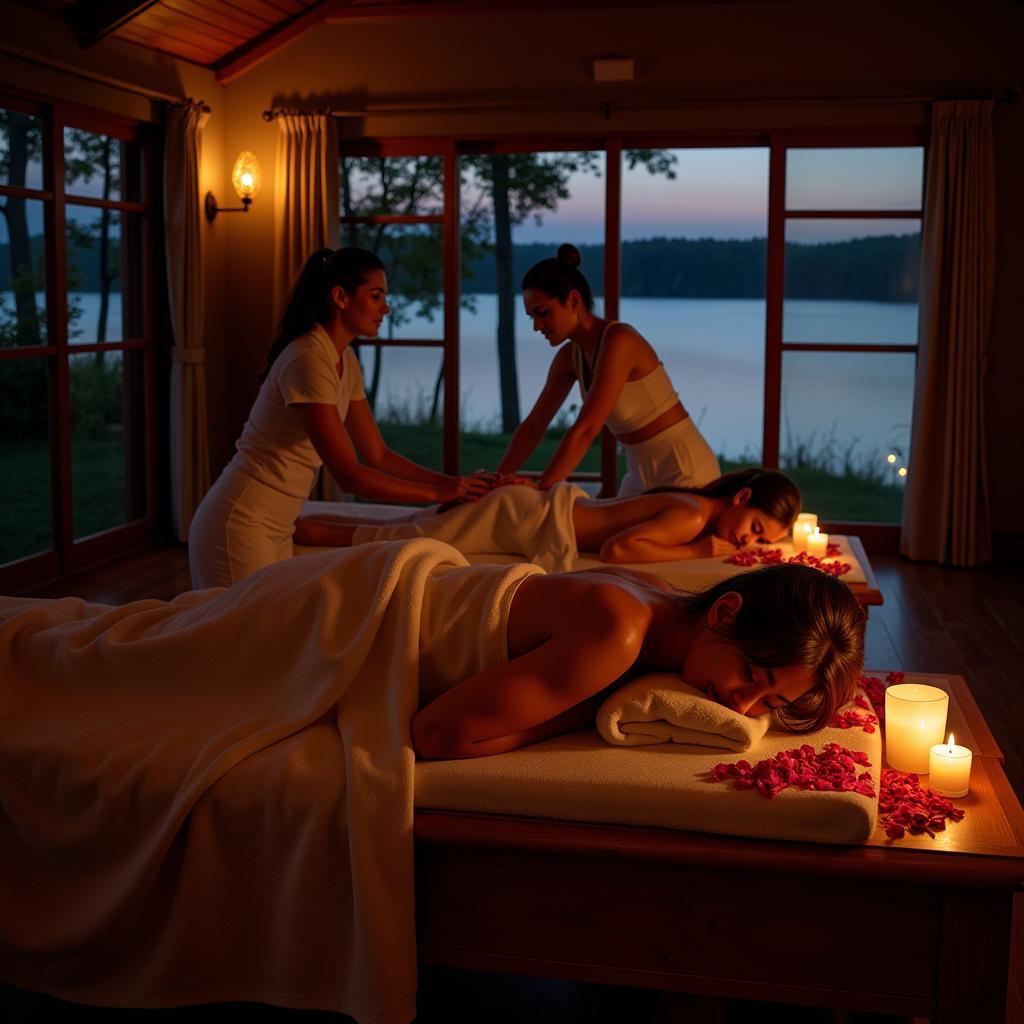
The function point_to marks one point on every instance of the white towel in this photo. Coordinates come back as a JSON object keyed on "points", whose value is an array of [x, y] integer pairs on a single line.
{"points": [[661, 708], [511, 520]]}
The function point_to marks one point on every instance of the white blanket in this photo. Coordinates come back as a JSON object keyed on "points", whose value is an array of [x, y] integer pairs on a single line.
{"points": [[517, 521], [661, 708], [211, 799]]}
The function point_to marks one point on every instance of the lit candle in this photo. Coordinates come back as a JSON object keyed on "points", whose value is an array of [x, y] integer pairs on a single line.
{"points": [[805, 525], [817, 544], [915, 719], [949, 768]]}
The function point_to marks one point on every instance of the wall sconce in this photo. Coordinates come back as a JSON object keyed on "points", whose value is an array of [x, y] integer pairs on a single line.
{"points": [[245, 179]]}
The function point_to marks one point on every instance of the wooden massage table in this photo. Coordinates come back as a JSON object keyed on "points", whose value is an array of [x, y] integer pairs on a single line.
{"points": [[916, 926], [695, 574]]}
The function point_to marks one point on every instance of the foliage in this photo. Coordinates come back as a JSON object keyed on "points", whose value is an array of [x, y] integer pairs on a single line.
{"points": [[882, 269]]}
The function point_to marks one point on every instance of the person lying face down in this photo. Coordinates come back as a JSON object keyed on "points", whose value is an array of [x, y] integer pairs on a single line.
{"points": [[662, 525], [784, 638]]}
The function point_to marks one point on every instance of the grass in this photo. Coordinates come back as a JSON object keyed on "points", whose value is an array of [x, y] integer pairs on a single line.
{"points": [[98, 488]]}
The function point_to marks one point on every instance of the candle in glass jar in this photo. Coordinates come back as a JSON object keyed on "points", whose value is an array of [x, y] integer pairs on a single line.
{"points": [[806, 523], [915, 719], [817, 544], [949, 768]]}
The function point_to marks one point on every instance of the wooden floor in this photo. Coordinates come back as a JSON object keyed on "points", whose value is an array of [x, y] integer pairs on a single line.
{"points": [[967, 622]]}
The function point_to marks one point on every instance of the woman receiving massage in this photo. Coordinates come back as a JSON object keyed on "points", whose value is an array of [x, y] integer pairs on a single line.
{"points": [[311, 410], [623, 383], [786, 639], [552, 527]]}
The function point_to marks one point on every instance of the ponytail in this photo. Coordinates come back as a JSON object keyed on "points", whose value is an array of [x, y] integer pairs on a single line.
{"points": [[310, 300]]}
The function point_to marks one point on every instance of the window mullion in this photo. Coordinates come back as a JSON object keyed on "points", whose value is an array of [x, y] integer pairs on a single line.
{"points": [[774, 286], [57, 330]]}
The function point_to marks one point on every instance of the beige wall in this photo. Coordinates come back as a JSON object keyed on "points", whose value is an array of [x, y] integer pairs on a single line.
{"points": [[726, 60]]}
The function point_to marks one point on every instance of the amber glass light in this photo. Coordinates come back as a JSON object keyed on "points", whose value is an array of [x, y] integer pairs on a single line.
{"points": [[245, 175]]}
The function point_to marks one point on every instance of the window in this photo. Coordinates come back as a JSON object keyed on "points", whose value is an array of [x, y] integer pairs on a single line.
{"points": [[845, 232], [77, 445], [776, 276]]}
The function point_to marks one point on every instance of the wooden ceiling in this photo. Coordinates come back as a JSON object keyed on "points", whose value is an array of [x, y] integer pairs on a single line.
{"points": [[231, 36]]}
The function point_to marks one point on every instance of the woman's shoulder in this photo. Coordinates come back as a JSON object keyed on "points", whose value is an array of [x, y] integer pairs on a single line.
{"points": [[626, 339]]}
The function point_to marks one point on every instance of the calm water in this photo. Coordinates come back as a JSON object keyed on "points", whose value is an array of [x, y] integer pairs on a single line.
{"points": [[713, 351]]}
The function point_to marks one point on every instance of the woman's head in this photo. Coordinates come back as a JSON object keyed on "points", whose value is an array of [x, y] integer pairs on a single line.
{"points": [[758, 504], [347, 284], [554, 293], [786, 638]]}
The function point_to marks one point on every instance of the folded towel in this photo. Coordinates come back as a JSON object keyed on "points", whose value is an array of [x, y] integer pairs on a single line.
{"points": [[661, 708]]}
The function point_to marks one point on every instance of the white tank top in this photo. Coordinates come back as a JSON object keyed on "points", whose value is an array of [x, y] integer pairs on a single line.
{"points": [[641, 401]]}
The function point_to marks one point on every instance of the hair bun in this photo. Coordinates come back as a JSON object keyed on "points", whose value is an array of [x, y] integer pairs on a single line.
{"points": [[570, 254]]}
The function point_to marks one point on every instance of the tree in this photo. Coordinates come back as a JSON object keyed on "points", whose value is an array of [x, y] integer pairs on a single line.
{"points": [[20, 142]]}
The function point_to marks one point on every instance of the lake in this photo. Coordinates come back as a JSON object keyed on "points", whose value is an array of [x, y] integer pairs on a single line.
{"points": [[713, 350]]}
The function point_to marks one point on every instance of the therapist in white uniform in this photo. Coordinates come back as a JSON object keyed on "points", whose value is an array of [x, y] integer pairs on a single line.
{"points": [[311, 410]]}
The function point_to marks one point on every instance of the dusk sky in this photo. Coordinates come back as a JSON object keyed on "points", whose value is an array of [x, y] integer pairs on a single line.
{"points": [[723, 193]]}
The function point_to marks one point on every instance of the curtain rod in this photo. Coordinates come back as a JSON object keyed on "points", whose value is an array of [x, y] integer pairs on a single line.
{"points": [[608, 108]]}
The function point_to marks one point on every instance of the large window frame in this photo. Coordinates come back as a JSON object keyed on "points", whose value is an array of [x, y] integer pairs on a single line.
{"points": [[68, 554], [879, 536]]}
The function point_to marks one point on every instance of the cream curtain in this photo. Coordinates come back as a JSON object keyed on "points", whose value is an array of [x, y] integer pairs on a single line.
{"points": [[306, 196], [190, 456], [946, 514], [305, 209]]}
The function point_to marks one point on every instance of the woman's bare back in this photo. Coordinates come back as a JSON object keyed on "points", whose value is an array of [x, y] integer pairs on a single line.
{"points": [[597, 520]]}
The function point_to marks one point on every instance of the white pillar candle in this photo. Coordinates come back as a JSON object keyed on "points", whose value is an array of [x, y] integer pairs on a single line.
{"points": [[915, 719], [817, 544], [949, 768], [805, 525]]}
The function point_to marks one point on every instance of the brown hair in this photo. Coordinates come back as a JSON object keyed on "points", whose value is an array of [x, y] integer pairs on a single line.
{"points": [[795, 615], [309, 301], [560, 274]]}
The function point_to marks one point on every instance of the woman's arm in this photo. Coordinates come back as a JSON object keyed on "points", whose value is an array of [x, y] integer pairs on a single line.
{"points": [[373, 450], [671, 535], [615, 361], [331, 440], [538, 694], [529, 433]]}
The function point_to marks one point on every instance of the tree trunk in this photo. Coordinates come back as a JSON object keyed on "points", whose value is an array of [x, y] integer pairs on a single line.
{"points": [[508, 373], [22, 276]]}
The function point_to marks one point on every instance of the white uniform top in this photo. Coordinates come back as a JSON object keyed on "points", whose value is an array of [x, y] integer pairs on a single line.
{"points": [[274, 446]]}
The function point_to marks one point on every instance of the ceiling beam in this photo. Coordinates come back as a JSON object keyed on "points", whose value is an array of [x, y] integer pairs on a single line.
{"points": [[93, 20], [257, 50]]}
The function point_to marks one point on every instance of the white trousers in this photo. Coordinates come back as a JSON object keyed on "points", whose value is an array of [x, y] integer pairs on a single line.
{"points": [[677, 457], [240, 526]]}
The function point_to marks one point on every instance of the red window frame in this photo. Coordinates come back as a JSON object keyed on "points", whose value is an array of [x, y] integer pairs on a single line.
{"points": [[67, 554]]}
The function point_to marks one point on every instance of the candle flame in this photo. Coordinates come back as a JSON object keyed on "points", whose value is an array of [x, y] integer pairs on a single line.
{"points": [[949, 743]]}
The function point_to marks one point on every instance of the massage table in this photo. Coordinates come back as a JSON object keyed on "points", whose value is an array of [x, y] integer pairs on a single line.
{"points": [[693, 574], [916, 926]]}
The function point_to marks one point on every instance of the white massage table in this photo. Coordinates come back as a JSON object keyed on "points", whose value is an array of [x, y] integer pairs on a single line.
{"points": [[693, 574]]}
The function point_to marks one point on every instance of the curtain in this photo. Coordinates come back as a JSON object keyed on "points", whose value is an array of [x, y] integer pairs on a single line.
{"points": [[190, 456], [305, 210], [306, 197], [946, 512]]}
